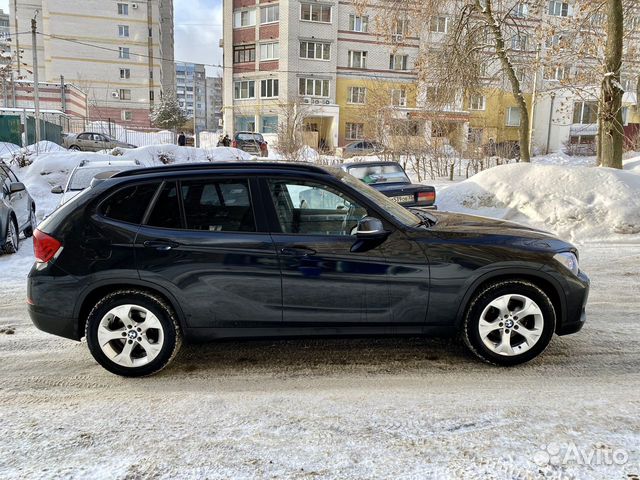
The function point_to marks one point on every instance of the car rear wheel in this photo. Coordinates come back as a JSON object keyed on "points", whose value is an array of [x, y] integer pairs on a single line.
{"points": [[133, 333], [11, 241], [28, 232], [509, 322]]}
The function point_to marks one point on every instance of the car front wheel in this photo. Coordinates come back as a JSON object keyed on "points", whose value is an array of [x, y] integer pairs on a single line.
{"points": [[11, 241], [74, 147], [509, 322], [133, 333]]}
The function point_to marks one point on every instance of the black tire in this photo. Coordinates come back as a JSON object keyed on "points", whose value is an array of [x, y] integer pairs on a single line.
{"points": [[159, 307], [75, 148], [11, 239], [28, 232], [470, 327]]}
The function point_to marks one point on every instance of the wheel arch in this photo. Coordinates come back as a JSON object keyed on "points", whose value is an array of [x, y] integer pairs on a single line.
{"points": [[538, 278], [88, 299]]}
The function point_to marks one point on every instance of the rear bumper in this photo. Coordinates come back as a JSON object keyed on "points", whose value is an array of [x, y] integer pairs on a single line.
{"points": [[60, 326]]}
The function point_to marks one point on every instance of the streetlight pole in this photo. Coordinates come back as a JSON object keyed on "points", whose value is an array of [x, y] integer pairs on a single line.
{"points": [[36, 86]]}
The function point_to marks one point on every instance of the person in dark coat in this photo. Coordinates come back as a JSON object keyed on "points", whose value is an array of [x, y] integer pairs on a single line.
{"points": [[182, 140], [226, 141]]}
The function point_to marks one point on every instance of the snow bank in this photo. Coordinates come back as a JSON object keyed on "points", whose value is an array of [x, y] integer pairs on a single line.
{"points": [[155, 154], [581, 203], [6, 149]]}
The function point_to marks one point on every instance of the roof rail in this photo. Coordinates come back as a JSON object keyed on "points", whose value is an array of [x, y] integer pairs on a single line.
{"points": [[187, 167]]}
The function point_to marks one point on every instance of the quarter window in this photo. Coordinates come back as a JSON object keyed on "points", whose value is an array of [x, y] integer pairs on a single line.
{"points": [[129, 204], [309, 208], [166, 210]]}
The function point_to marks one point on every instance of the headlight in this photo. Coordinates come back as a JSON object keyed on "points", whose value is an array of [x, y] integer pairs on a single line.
{"points": [[568, 260]]}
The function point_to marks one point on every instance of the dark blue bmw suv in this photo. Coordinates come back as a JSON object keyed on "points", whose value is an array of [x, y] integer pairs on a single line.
{"points": [[150, 257]]}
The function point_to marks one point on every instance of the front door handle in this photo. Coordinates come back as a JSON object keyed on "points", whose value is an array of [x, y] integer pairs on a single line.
{"points": [[161, 245], [297, 251]]}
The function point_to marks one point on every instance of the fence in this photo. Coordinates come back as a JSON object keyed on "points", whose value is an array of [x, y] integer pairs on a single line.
{"points": [[140, 137], [19, 126]]}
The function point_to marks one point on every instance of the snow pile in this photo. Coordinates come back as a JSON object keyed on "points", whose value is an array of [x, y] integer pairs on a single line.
{"points": [[7, 149], [133, 137], [581, 203], [154, 154]]}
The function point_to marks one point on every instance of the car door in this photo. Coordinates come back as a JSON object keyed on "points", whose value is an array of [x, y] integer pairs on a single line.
{"points": [[205, 240], [19, 201], [84, 141], [324, 282]]}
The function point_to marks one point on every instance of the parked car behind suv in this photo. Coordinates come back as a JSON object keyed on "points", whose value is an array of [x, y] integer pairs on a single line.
{"points": [[82, 175], [360, 148], [251, 142], [92, 142], [391, 179], [17, 211], [150, 257]]}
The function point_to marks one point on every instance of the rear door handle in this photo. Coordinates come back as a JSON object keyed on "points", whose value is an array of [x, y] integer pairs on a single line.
{"points": [[161, 245], [297, 251]]}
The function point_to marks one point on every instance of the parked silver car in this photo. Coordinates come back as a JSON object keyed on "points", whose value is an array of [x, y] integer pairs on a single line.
{"points": [[360, 148], [81, 176], [92, 142], [17, 210]]}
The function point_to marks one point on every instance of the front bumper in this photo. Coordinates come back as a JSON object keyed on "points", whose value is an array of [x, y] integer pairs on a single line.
{"points": [[577, 294]]}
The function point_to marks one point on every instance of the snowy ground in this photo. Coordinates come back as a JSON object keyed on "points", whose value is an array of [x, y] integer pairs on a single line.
{"points": [[346, 409]]}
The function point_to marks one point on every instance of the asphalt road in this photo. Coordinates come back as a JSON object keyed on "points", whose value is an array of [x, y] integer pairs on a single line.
{"points": [[344, 409]]}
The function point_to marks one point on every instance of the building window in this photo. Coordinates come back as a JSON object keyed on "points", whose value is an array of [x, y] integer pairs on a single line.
{"points": [[124, 52], [354, 131], [400, 27], [513, 117], [553, 41], [152, 95], [585, 113], [357, 59], [244, 18], [628, 84], [558, 9], [270, 124], [398, 62], [315, 50], [125, 73], [244, 89], [123, 9], [359, 23], [556, 73], [477, 102], [521, 10], [439, 24], [123, 30], [519, 42], [269, 88], [127, 116], [244, 53], [270, 14], [313, 12], [399, 97], [313, 87], [269, 51], [357, 95], [245, 123], [124, 94], [474, 137]]}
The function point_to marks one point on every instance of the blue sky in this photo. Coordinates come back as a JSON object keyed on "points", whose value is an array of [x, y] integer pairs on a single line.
{"points": [[198, 28]]}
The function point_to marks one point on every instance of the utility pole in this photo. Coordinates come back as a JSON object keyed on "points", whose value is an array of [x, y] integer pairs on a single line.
{"points": [[15, 25], [36, 86]]}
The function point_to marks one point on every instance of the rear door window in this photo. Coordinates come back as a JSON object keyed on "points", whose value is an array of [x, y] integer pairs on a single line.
{"points": [[130, 203], [166, 211]]}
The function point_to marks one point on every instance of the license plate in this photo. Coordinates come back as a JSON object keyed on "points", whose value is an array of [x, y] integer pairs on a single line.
{"points": [[403, 198]]}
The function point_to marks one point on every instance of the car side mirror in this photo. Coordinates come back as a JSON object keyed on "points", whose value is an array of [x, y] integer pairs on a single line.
{"points": [[57, 190], [370, 228], [17, 187]]}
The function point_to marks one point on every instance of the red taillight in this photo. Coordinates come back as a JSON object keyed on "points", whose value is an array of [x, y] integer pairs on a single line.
{"points": [[45, 247], [234, 144], [427, 197]]}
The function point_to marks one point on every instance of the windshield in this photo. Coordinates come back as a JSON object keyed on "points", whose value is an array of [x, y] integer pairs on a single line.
{"points": [[379, 173], [82, 177], [397, 211], [250, 137]]}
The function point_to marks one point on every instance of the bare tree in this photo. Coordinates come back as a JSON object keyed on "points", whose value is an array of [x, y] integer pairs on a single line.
{"points": [[290, 139]]}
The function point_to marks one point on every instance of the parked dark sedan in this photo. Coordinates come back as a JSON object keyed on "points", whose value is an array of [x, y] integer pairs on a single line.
{"points": [[391, 179], [251, 142], [149, 257], [17, 211]]}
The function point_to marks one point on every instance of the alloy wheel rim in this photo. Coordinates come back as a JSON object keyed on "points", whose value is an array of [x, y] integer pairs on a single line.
{"points": [[130, 335], [511, 325]]}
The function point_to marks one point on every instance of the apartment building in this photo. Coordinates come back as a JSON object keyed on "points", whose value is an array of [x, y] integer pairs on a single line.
{"points": [[332, 60], [214, 103], [119, 52], [5, 38], [191, 92]]}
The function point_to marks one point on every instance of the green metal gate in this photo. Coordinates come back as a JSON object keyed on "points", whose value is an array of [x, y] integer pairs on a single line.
{"points": [[10, 129], [48, 131]]}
